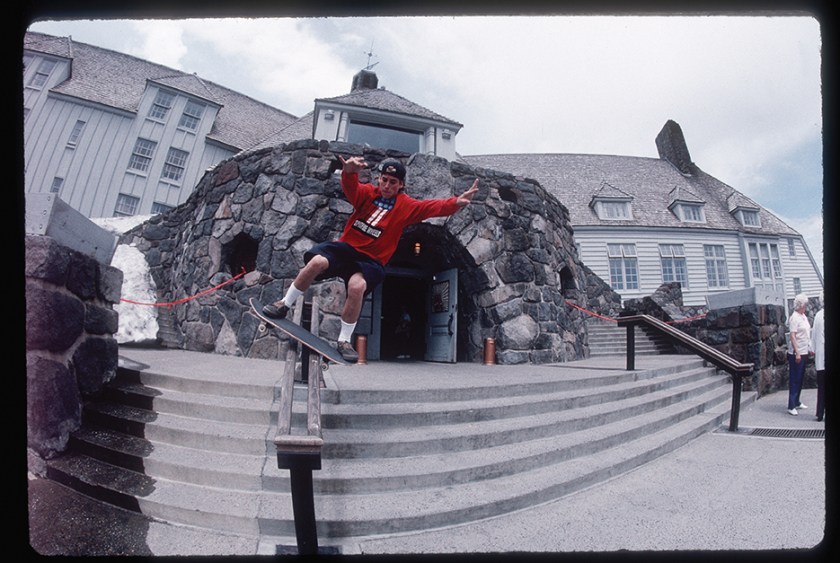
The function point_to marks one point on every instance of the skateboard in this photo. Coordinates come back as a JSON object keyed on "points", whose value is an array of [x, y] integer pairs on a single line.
{"points": [[297, 332]]}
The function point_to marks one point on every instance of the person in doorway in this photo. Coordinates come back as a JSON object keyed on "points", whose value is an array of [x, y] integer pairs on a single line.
{"points": [[800, 341], [403, 334], [818, 351], [370, 237]]}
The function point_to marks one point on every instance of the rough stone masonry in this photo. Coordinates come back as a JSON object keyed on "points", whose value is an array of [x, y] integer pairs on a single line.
{"points": [[261, 210]]}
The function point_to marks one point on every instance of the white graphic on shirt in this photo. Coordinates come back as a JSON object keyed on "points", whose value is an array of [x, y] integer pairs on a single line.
{"points": [[377, 215]]}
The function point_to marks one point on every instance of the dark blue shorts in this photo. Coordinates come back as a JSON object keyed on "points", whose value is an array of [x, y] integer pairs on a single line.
{"points": [[345, 261]]}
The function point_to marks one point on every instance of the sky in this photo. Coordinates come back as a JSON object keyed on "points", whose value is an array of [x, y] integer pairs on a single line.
{"points": [[745, 88]]}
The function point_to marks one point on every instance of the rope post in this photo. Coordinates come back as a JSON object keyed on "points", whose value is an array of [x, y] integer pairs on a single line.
{"points": [[361, 349], [489, 351]]}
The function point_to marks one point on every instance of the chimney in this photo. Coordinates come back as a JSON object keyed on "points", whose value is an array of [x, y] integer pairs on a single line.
{"points": [[671, 146], [365, 80]]}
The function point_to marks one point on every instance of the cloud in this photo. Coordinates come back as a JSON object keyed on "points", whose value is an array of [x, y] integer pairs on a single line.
{"points": [[162, 42]]}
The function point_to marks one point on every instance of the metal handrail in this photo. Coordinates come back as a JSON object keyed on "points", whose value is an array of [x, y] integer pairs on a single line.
{"points": [[720, 360], [301, 454]]}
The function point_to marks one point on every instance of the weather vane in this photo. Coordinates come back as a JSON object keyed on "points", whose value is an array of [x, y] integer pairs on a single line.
{"points": [[369, 55]]}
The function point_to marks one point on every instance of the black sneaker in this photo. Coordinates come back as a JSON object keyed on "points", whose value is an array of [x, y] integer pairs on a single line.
{"points": [[275, 311], [347, 352]]}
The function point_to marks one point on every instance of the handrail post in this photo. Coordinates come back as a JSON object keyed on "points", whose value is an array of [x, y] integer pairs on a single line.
{"points": [[300, 468], [302, 454], [736, 402], [720, 360]]}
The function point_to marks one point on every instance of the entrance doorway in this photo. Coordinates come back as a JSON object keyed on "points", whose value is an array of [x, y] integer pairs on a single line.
{"points": [[403, 321]]}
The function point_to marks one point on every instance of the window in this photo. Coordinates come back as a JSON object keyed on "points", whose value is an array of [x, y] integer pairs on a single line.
{"points": [[126, 205], [691, 213], [192, 115], [39, 79], [56, 185], [791, 247], [749, 218], [623, 266], [158, 208], [173, 168], [716, 272], [161, 106], [75, 133], [673, 264], [141, 157], [380, 136], [797, 286], [765, 266], [616, 210]]}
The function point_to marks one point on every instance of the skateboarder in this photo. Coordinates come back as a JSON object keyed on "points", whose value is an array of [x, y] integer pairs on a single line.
{"points": [[380, 215]]}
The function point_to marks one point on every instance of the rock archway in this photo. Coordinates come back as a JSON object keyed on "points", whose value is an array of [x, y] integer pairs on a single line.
{"points": [[513, 249]]}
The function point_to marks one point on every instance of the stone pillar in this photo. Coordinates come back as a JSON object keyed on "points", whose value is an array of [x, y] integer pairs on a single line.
{"points": [[70, 346], [749, 325]]}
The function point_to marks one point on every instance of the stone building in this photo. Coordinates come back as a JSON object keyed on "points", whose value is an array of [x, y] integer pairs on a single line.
{"points": [[502, 268]]}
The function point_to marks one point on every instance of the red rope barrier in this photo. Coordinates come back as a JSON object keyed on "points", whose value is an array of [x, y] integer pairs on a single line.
{"points": [[185, 299], [591, 313]]}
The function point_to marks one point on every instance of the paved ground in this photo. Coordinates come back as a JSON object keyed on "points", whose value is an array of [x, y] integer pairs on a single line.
{"points": [[723, 491]]}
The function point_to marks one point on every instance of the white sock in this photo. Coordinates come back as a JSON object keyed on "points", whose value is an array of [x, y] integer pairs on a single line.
{"points": [[291, 296], [346, 331]]}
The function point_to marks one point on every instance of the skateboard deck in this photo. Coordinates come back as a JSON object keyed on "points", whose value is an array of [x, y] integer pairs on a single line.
{"points": [[311, 341]]}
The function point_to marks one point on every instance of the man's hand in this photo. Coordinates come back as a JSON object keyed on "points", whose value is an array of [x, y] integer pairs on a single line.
{"points": [[352, 165], [465, 198]]}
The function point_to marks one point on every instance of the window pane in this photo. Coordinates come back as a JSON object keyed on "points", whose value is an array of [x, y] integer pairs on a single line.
{"points": [[126, 205], [384, 137], [631, 276], [162, 104], [76, 133], [173, 169], [716, 273], [192, 115], [142, 156]]}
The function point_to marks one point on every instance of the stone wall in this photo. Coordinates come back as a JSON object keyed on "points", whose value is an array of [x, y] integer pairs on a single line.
{"points": [[262, 210], [70, 347]]}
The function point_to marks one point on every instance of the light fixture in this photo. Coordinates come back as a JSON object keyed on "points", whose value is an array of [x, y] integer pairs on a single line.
{"points": [[329, 115], [417, 248]]}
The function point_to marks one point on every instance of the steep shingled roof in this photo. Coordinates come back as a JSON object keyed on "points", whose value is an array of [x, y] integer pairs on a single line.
{"points": [[575, 178], [385, 100], [118, 80]]}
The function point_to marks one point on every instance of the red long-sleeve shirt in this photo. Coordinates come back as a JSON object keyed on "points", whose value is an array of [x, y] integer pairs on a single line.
{"points": [[376, 225]]}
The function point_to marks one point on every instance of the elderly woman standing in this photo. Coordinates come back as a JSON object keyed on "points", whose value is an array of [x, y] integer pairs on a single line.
{"points": [[800, 341], [818, 351]]}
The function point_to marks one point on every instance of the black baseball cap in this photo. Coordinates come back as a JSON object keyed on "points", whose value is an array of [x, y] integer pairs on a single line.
{"points": [[392, 167]]}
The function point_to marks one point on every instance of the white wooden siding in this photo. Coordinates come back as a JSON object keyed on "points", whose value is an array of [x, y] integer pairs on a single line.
{"points": [[95, 171], [593, 253], [800, 265]]}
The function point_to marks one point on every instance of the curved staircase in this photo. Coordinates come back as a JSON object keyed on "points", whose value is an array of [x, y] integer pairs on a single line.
{"points": [[407, 446]]}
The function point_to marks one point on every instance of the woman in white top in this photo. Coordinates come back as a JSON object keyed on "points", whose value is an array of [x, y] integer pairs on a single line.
{"points": [[800, 340], [818, 351]]}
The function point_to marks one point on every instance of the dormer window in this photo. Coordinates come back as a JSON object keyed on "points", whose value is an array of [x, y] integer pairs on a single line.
{"points": [[612, 204], [748, 217], [690, 213], [192, 115], [686, 205], [613, 210]]}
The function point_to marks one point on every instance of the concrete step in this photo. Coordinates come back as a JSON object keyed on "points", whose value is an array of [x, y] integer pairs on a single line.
{"points": [[197, 450], [607, 338], [422, 464], [579, 460]]}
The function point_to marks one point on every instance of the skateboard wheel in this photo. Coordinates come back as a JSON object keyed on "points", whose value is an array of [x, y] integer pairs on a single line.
{"points": [[262, 327], [325, 366]]}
